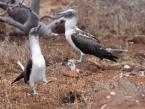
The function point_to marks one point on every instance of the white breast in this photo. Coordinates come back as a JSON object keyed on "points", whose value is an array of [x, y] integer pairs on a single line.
{"points": [[69, 39], [38, 62], [38, 69]]}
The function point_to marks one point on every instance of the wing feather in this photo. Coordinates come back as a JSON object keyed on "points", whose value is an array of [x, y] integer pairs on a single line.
{"points": [[89, 45], [86, 34], [26, 73]]}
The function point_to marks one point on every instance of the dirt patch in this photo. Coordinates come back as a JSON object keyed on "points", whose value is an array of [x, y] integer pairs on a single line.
{"points": [[96, 80]]}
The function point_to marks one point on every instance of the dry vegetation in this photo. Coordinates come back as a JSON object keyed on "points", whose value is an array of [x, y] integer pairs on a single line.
{"points": [[116, 17], [100, 84]]}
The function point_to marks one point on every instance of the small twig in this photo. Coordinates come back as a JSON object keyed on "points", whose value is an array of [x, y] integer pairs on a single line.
{"points": [[69, 5], [4, 13], [31, 11], [103, 106], [25, 7], [49, 16], [8, 2]]}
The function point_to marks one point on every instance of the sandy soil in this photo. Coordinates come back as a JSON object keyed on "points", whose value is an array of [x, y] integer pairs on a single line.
{"points": [[100, 84]]}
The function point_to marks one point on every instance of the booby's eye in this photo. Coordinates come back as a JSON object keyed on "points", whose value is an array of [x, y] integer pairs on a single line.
{"points": [[62, 21]]}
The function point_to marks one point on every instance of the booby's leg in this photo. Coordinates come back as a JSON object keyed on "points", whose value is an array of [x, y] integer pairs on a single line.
{"points": [[81, 57], [45, 81], [34, 91]]}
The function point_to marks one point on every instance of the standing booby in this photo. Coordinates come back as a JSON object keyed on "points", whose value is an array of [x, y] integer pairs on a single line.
{"points": [[36, 67], [82, 41]]}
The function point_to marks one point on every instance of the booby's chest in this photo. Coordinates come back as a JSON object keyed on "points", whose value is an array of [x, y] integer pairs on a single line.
{"points": [[38, 61], [38, 68], [68, 37]]}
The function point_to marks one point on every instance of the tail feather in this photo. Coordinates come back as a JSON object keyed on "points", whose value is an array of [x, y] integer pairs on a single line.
{"points": [[112, 57], [20, 64], [21, 75], [104, 54], [18, 78]]}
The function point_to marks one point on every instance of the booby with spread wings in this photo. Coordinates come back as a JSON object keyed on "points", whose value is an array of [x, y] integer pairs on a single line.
{"points": [[35, 68], [82, 41]]}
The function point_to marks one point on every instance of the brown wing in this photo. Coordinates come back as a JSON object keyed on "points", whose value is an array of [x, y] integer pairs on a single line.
{"points": [[86, 34], [90, 46]]}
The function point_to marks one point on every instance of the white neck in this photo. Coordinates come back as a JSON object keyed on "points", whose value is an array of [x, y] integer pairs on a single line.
{"points": [[35, 46], [71, 23]]}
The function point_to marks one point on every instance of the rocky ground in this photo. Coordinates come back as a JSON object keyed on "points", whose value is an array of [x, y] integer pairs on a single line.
{"points": [[99, 85]]}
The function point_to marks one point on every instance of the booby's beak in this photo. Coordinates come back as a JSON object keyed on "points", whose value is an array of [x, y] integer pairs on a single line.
{"points": [[67, 14], [35, 30], [63, 14], [38, 28]]}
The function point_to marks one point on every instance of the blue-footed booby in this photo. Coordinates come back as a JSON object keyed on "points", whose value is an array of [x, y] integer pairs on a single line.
{"points": [[35, 68], [82, 41]]}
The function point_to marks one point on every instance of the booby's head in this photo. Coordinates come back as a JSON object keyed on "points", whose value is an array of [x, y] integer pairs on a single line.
{"points": [[35, 30], [70, 16], [69, 13]]}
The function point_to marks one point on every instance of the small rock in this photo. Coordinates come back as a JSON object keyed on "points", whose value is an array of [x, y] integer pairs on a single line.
{"points": [[72, 65], [112, 67], [71, 97], [93, 67], [113, 93], [127, 75], [142, 95], [108, 97], [141, 72], [104, 106], [137, 101], [127, 68], [72, 74]]}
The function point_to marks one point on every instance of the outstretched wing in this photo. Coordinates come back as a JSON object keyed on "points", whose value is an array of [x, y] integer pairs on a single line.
{"points": [[26, 73], [89, 45]]}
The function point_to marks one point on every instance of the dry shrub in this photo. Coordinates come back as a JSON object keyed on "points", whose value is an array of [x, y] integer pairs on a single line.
{"points": [[12, 52], [121, 17]]}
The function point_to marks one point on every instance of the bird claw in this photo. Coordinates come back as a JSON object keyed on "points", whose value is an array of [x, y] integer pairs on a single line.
{"points": [[34, 92], [45, 81]]}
